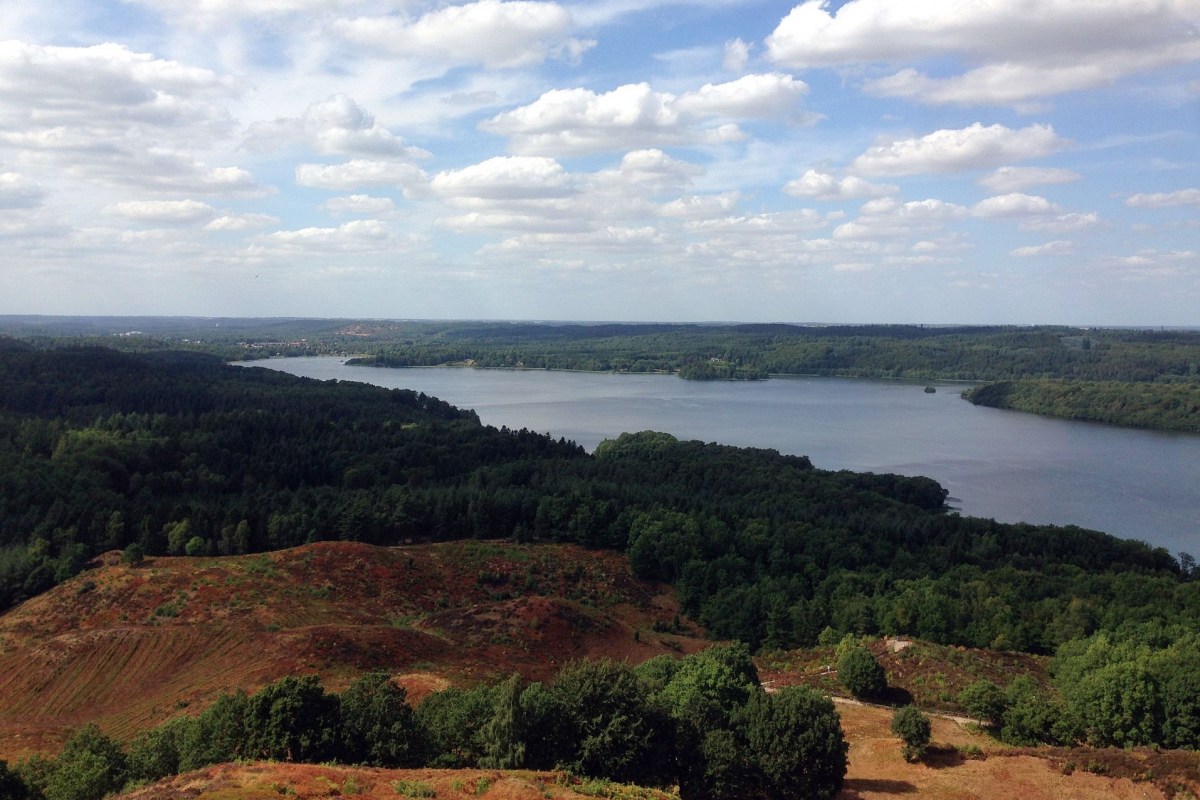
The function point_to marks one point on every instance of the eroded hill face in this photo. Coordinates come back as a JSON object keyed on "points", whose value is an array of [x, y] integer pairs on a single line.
{"points": [[131, 646]]}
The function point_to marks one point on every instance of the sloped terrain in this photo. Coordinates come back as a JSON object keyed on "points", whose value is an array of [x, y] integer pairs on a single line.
{"points": [[930, 675], [130, 646]]}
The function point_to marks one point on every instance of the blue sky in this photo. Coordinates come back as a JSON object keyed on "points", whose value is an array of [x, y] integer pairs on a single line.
{"points": [[870, 161]]}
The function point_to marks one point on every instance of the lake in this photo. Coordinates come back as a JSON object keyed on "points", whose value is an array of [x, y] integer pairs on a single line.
{"points": [[1004, 464]]}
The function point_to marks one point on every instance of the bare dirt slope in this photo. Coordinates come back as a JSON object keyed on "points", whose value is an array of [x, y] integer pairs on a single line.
{"points": [[129, 647]]}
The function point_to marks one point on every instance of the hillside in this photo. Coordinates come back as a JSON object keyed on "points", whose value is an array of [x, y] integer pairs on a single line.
{"points": [[130, 646]]}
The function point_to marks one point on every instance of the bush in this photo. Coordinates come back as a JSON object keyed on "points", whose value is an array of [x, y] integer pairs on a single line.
{"points": [[506, 732], [611, 730], [378, 726], [795, 743], [34, 773], [452, 722], [292, 720], [196, 546], [12, 787], [709, 686], [545, 722], [1031, 717], [217, 735], [90, 766], [133, 555], [983, 700], [861, 673], [914, 729], [156, 753], [703, 696]]}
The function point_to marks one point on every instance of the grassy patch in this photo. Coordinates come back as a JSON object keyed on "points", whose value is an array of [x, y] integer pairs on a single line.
{"points": [[611, 790], [260, 565], [413, 789]]}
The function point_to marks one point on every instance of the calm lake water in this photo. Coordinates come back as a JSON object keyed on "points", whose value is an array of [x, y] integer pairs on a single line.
{"points": [[1002, 464]]}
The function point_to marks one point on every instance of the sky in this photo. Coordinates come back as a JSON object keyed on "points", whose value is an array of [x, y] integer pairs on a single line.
{"points": [[892, 161]]}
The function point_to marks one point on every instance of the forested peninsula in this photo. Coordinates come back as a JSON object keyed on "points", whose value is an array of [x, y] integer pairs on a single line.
{"points": [[1165, 406]]}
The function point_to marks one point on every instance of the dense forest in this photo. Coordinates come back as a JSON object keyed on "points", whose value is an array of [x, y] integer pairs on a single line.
{"points": [[179, 453]]}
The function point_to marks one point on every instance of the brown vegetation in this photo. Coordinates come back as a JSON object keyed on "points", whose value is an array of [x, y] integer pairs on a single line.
{"points": [[964, 764], [276, 781], [129, 647], [930, 675]]}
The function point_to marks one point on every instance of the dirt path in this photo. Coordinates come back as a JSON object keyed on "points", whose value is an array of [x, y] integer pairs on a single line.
{"points": [[850, 701]]}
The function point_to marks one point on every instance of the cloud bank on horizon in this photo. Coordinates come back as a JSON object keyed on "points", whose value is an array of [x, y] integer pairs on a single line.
{"points": [[862, 161]]}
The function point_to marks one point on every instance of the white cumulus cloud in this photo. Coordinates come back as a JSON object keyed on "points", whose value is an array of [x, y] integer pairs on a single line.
{"points": [[209, 12], [751, 96], [737, 55], [1014, 205], [359, 236], [580, 121], [651, 169], [888, 218], [108, 89], [1010, 52], [973, 147], [170, 212], [1062, 223], [1055, 248], [240, 222], [1016, 179], [361, 172], [824, 186], [489, 32], [360, 204], [1182, 197], [336, 125], [505, 177], [701, 207]]}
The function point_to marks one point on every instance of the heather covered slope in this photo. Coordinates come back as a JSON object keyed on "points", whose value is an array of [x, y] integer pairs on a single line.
{"points": [[130, 646]]}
